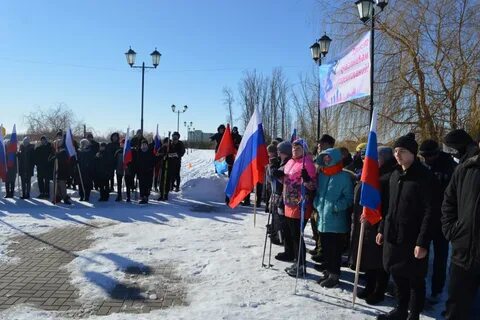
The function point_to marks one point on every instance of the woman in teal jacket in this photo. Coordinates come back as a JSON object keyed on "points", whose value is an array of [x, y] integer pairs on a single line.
{"points": [[333, 199]]}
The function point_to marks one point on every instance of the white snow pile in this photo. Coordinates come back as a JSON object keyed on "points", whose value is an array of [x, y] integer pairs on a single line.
{"points": [[216, 251]]}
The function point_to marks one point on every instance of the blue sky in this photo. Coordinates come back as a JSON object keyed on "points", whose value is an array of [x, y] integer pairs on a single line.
{"points": [[73, 52]]}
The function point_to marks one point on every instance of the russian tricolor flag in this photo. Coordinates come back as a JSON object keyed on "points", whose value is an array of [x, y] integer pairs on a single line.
{"points": [[294, 136], [3, 158], [370, 196], [12, 148], [249, 166], [157, 143], [127, 151]]}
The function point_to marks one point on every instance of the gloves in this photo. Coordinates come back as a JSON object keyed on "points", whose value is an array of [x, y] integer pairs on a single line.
{"points": [[305, 176], [173, 155], [278, 174]]}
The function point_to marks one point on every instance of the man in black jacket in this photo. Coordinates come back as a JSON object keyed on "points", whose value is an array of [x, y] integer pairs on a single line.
{"points": [[442, 166], [26, 162], [44, 167], [462, 143], [176, 152], [112, 147], [144, 163], [461, 226], [406, 230]]}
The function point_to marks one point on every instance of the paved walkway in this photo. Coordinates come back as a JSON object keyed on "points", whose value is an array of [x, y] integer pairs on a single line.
{"points": [[36, 278]]}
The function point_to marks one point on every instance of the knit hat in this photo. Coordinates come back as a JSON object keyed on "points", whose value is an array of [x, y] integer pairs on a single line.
{"points": [[26, 140], [285, 147], [458, 139], [176, 134], [407, 142], [272, 148], [429, 148], [327, 139]]}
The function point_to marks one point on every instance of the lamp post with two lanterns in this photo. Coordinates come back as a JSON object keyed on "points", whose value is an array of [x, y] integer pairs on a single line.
{"points": [[174, 109], [130, 55]]}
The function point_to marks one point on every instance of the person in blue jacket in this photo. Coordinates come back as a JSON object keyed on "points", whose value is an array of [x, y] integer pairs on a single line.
{"points": [[334, 197]]}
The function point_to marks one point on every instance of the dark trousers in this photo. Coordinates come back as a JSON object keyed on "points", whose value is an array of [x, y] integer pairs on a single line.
{"points": [[410, 293], [26, 184], [332, 246], [145, 182], [377, 281], [293, 226], [440, 258], [10, 189], [165, 181], [129, 184], [316, 234], [156, 180], [461, 293], [43, 185], [85, 195], [258, 195], [104, 188], [175, 167], [119, 185], [111, 180]]}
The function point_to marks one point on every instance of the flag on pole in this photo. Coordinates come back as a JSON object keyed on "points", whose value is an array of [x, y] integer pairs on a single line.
{"points": [[226, 146], [370, 195], [69, 144], [3, 157], [249, 166], [12, 149], [294, 136], [157, 142], [127, 151]]}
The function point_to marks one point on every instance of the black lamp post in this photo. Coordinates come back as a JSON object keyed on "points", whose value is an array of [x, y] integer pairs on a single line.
{"points": [[130, 55], [319, 48], [188, 126], [178, 114], [366, 12]]}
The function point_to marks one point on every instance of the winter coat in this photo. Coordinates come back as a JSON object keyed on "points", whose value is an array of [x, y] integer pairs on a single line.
{"points": [[101, 166], [119, 162], [334, 195], [292, 187], [372, 254], [94, 146], [63, 170], [461, 215], [144, 162], [443, 168], [41, 155], [409, 220], [176, 152], [112, 147], [26, 160], [237, 139], [471, 151], [12, 168], [86, 162], [217, 137]]}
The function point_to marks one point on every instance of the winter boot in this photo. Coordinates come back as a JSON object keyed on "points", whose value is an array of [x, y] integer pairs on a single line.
{"points": [[144, 200], [365, 293], [413, 316], [66, 201], [283, 256], [320, 267], [118, 199], [396, 314], [292, 271], [317, 258], [330, 282], [375, 298], [323, 277]]}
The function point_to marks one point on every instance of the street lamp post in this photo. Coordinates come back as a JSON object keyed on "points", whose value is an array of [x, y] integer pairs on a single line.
{"points": [[178, 114], [366, 11], [319, 48], [188, 126], [130, 55]]}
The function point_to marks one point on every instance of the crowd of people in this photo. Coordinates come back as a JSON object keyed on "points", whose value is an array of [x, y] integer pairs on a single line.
{"points": [[98, 166], [428, 196]]}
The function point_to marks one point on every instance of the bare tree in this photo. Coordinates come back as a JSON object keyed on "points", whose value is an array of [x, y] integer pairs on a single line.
{"points": [[228, 100]]}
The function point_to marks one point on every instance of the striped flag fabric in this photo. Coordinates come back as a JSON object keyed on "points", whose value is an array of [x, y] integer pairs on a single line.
{"points": [[3, 157], [157, 142], [249, 166], [294, 136], [69, 144], [370, 195], [12, 149], [127, 150]]}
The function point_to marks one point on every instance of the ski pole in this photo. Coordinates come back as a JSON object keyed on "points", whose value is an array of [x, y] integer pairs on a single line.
{"points": [[265, 244]]}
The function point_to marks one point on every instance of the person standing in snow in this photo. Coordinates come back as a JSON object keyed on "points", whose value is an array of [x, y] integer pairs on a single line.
{"points": [[44, 168], [26, 163], [62, 172], [112, 147], [277, 175], [176, 152], [442, 166], [144, 162], [217, 137], [11, 171], [460, 225], [86, 162], [102, 172], [407, 229], [333, 198], [119, 170], [298, 171], [165, 176]]}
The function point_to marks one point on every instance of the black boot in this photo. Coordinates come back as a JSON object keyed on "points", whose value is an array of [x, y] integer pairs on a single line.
{"points": [[375, 298], [284, 257], [396, 314]]}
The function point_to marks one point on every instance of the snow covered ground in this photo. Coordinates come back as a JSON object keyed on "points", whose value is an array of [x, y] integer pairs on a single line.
{"points": [[217, 252]]}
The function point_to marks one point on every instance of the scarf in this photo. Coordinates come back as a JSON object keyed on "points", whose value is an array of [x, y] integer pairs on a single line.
{"points": [[333, 170]]}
